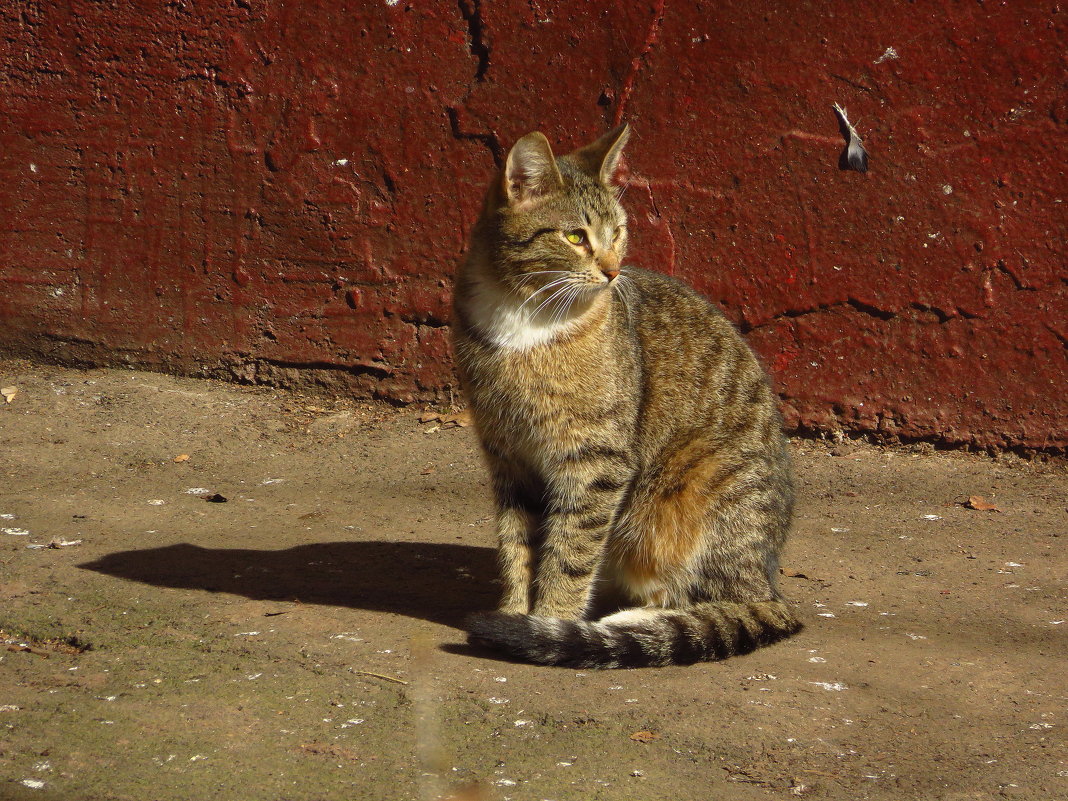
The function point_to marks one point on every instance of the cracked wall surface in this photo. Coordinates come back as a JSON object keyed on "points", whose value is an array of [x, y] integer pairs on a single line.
{"points": [[280, 192]]}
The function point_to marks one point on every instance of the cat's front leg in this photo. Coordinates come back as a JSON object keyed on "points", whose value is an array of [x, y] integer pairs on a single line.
{"points": [[585, 503], [516, 556], [517, 530]]}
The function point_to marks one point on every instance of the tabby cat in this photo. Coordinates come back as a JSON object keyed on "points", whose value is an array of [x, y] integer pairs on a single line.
{"points": [[635, 446]]}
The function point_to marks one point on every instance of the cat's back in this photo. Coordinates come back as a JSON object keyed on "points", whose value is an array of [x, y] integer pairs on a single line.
{"points": [[679, 330], [669, 309], [697, 370]]}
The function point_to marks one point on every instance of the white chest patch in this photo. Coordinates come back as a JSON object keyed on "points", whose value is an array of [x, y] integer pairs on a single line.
{"points": [[508, 323]]}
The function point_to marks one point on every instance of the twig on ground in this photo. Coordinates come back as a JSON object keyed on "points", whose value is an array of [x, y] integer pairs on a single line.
{"points": [[377, 676]]}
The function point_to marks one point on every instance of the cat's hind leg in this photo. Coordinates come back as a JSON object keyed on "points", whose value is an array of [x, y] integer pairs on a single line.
{"points": [[707, 525]]}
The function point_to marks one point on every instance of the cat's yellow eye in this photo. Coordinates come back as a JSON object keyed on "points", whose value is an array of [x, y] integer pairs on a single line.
{"points": [[577, 237]]}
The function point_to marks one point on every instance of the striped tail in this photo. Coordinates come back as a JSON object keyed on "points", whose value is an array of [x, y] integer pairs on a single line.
{"points": [[645, 637]]}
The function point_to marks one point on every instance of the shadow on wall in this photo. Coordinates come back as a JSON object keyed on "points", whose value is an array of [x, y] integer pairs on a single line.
{"points": [[439, 583]]}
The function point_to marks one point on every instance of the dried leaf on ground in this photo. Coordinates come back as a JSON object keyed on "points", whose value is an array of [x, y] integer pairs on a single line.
{"points": [[460, 419], [182, 457], [797, 574], [981, 504], [744, 776], [19, 642], [644, 736], [9, 393], [58, 543]]}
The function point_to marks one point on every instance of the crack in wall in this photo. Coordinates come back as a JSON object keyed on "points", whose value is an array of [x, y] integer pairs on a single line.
{"points": [[480, 49], [943, 315], [868, 310], [662, 222], [478, 44], [489, 139], [789, 314], [1060, 337], [636, 63], [383, 371], [424, 320], [1001, 267]]}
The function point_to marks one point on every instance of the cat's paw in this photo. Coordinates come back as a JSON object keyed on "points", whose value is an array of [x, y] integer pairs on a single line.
{"points": [[560, 611]]}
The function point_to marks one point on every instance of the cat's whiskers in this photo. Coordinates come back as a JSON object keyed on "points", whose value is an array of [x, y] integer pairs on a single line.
{"points": [[568, 282], [525, 279], [622, 287], [574, 288], [538, 291], [574, 292], [553, 311]]}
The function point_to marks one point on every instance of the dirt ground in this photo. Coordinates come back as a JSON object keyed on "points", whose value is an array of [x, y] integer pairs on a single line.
{"points": [[300, 639]]}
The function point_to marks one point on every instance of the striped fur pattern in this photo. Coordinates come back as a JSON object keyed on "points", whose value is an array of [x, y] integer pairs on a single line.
{"points": [[636, 451]]}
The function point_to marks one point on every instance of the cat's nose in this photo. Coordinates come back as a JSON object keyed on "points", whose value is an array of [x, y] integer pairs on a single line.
{"points": [[608, 264]]}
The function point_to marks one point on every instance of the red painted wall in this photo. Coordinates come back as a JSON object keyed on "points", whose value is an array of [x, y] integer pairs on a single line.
{"points": [[242, 188]]}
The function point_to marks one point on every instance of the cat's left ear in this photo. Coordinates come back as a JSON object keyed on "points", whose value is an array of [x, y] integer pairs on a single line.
{"points": [[530, 171], [602, 157]]}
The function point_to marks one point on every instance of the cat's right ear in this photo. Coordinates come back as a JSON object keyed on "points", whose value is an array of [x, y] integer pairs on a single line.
{"points": [[530, 171], [601, 159]]}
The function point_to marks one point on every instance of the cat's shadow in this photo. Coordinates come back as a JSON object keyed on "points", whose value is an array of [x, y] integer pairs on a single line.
{"points": [[438, 582]]}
